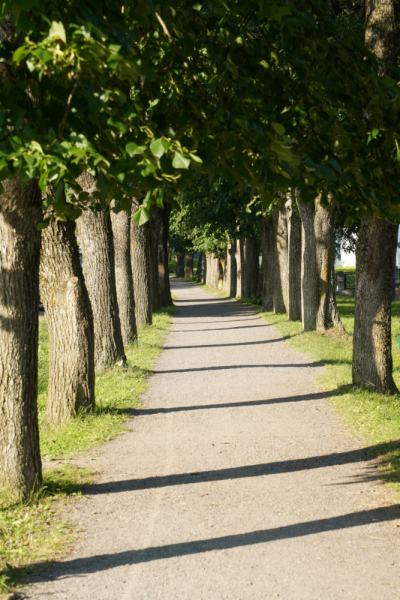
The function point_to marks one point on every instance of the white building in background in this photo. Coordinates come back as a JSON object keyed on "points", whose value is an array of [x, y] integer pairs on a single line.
{"points": [[349, 259]]}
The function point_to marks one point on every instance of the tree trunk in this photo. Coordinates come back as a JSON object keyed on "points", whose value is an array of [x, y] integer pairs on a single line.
{"points": [[199, 271], [204, 269], [20, 211], [280, 262], [327, 314], [95, 235], [309, 278], [231, 270], [179, 264], [140, 258], [251, 266], [372, 342], [239, 280], [268, 259], [164, 290], [294, 260], [70, 320], [377, 239], [154, 231], [121, 228], [188, 265]]}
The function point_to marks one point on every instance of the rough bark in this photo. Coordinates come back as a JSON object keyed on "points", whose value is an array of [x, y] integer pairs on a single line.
{"points": [[204, 269], [325, 254], [154, 230], [239, 278], [20, 211], [231, 270], [294, 259], [70, 321], [268, 258], [121, 227], [189, 265], [164, 290], [280, 262], [140, 258], [213, 271], [95, 235], [179, 264], [309, 276], [250, 267], [199, 272], [372, 342]]}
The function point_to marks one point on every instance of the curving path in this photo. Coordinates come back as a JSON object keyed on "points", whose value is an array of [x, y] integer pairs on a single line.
{"points": [[236, 480]]}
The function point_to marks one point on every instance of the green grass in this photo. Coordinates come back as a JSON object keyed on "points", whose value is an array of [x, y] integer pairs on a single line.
{"points": [[34, 532], [372, 416], [345, 269]]}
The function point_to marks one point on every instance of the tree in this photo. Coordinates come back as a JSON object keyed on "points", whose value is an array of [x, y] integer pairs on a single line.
{"points": [[20, 465], [294, 258], [377, 239], [140, 257], [96, 238], [70, 320], [121, 230]]}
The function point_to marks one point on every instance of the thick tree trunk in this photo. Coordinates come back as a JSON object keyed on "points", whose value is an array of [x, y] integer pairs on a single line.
{"points": [[70, 320], [213, 271], [154, 231], [239, 275], [189, 265], [377, 239], [199, 272], [231, 270], [280, 262], [372, 342], [328, 314], [309, 276], [164, 290], [179, 264], [204, 269], [140, 258], [294, 259], [121, 227], [268, 259], [95, 235], [20, 211], [250, 267]]}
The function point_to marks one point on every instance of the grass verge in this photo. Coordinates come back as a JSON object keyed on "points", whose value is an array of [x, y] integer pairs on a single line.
{"points": [[371, 416], [34, 532]]}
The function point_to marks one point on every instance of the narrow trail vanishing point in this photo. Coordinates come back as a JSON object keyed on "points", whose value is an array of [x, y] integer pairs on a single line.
{"points": [[236, 480]]}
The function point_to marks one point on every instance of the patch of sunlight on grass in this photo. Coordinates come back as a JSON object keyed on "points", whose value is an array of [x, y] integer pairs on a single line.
{"points": [[117, 392], [33, 532]]}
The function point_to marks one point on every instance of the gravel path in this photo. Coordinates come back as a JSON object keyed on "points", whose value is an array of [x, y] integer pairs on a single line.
{"points": [[236, 480]]}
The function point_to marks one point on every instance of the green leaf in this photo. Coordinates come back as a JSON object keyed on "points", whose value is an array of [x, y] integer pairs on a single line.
{"points": [[133, 149], [280, 130], [141, 216], [158, 147], [43, 224], [57, 30], [42, 54], [180, 161], [372, 135], [325, 171], [20, 54]]}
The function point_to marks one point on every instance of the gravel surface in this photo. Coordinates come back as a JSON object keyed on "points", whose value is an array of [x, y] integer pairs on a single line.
{"points": [[236, 480]]}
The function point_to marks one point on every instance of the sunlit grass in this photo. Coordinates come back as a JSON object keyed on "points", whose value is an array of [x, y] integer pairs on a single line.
{"points": [[372, 416], [34, 532]]}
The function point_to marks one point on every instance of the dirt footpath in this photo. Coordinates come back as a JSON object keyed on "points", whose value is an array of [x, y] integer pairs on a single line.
{"points": [[236, 480]]}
